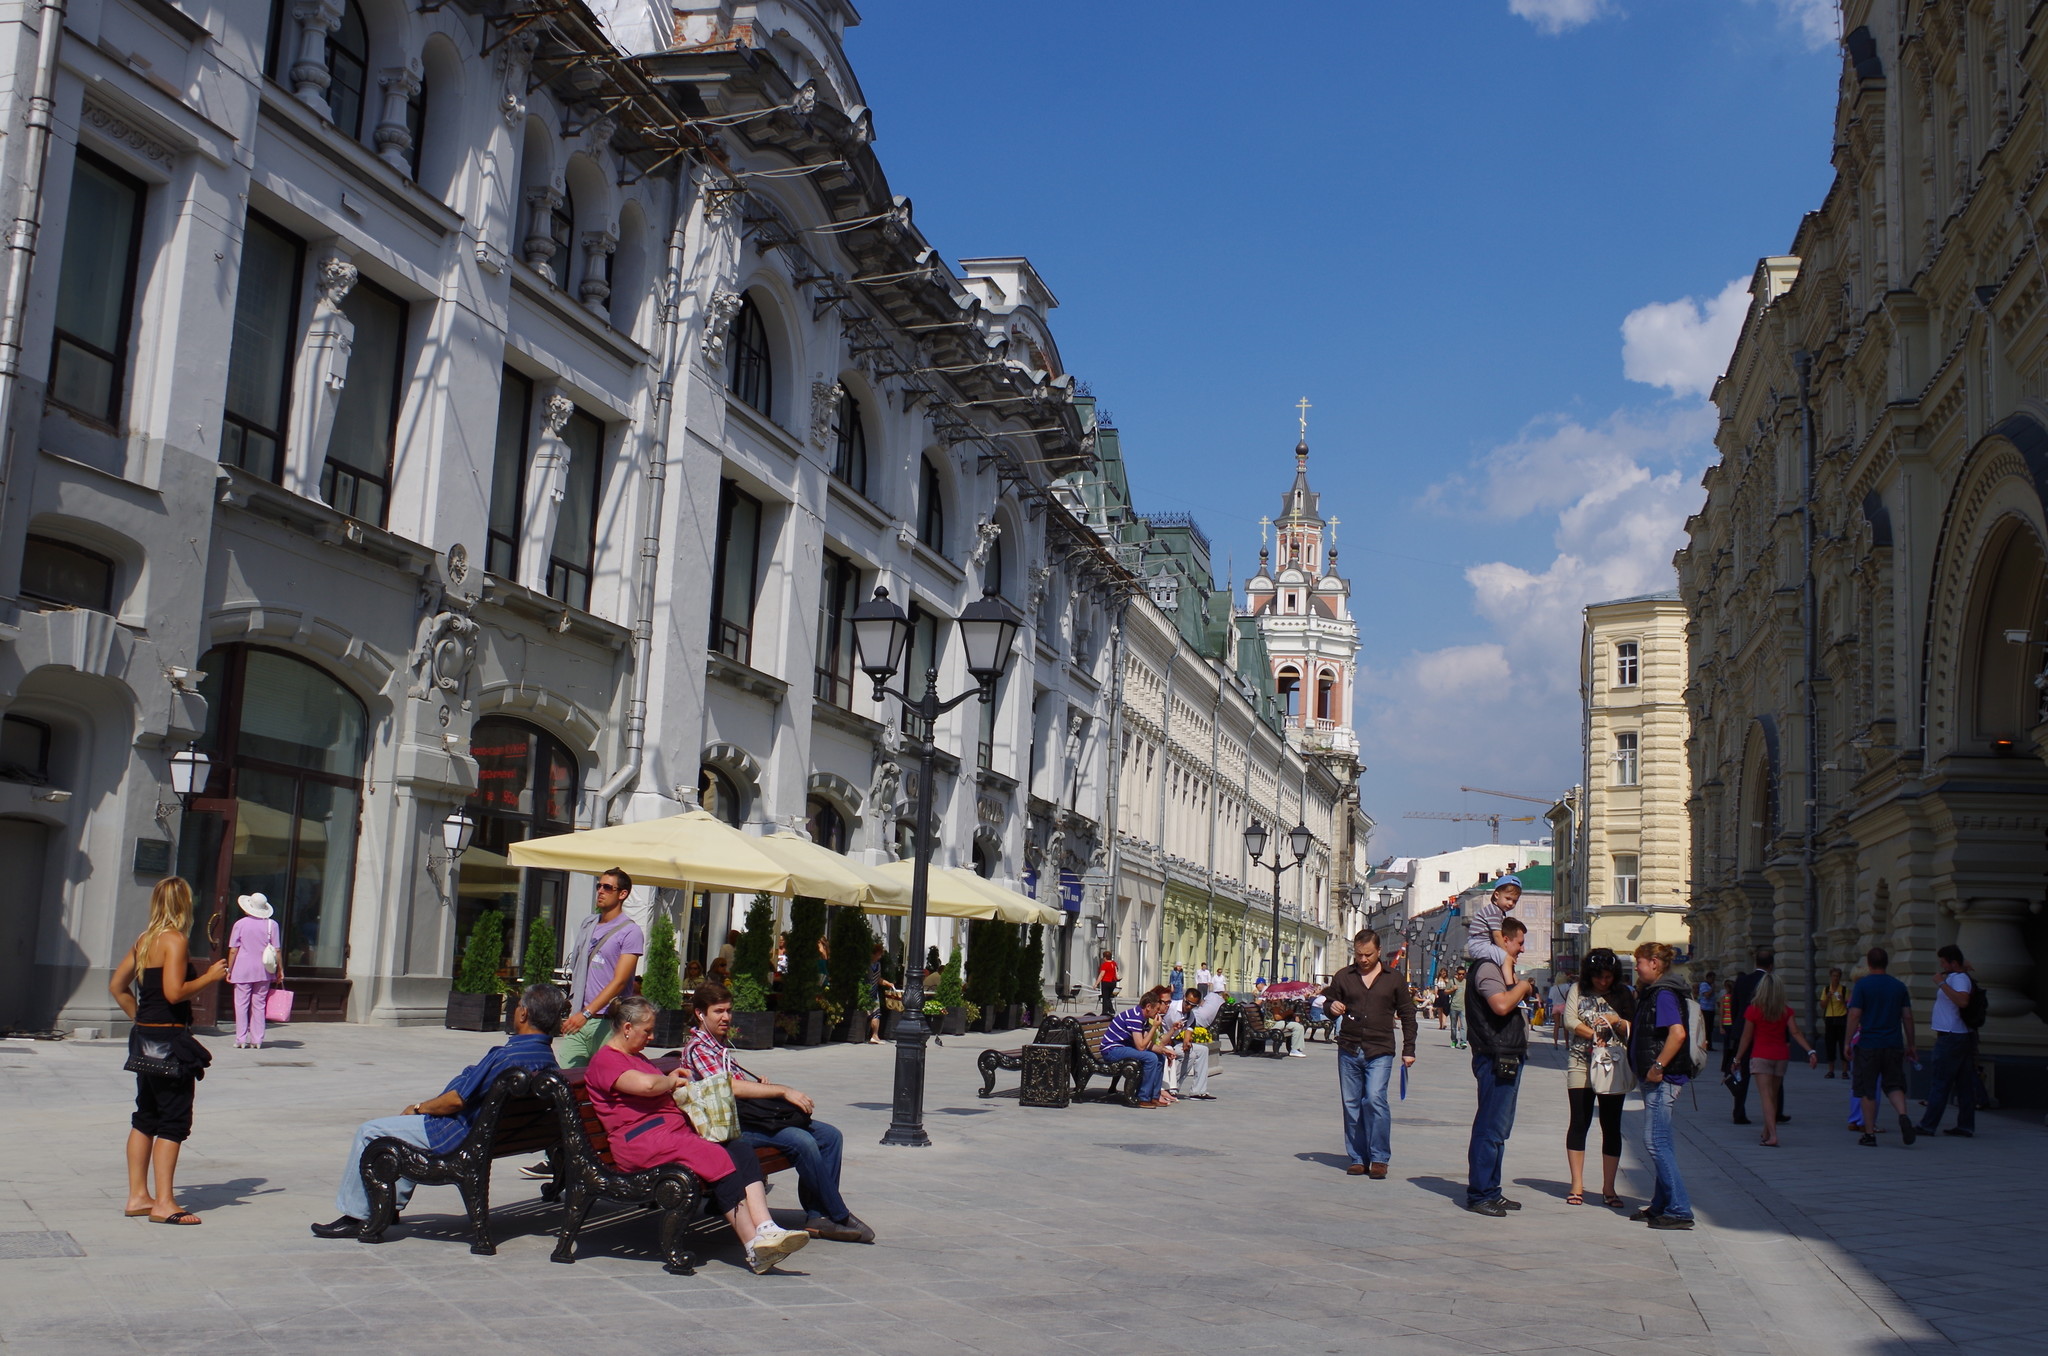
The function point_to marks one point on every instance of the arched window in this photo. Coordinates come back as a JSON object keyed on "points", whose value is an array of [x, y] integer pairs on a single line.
{"points": [[992, 573], [279, 812], [526, 787], [931, 528], [984, 860], [1290, 692], [1326, 695], [850, 452], [826, 824], [348, 60], [721, 796], [750, 370]]}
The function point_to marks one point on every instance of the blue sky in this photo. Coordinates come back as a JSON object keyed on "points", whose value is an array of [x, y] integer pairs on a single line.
{"points": [[1492, 241]]}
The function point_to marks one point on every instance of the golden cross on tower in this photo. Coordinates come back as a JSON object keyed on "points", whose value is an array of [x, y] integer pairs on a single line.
{"points": [[1304, 407]]}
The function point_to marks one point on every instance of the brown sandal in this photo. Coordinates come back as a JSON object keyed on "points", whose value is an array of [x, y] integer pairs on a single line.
{"points": [[1575, 1198]]}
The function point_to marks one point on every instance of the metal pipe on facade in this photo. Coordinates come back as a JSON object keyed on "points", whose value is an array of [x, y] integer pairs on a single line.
{"points": [[28, 223], [1215, 808], [1165, 761], [1112, 800], [1803, 362]]}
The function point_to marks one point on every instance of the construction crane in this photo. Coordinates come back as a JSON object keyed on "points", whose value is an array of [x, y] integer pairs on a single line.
{"points": [[1492, 820], [1510, 795]]}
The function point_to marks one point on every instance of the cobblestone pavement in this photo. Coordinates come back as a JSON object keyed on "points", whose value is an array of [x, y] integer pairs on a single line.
{"points": [[1219, 1226]]}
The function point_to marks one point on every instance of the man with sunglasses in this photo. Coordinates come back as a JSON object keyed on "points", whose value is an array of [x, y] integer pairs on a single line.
{"points": [[606, 956]]}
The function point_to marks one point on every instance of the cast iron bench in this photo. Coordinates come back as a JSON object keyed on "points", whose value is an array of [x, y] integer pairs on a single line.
{"points": [[1255, 1029], [1052, 1030], [1088, 1063], [527, 1111]]}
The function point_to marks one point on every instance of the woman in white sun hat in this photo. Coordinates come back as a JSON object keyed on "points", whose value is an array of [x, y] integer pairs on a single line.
{"points": [[255, 962]]}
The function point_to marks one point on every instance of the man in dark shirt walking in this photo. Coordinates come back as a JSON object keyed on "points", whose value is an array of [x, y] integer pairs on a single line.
{"points": [[1368, 996], [1499, 1037]]}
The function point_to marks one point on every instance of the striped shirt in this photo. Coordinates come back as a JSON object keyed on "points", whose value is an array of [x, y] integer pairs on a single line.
{"points": [[1123, 1028]]}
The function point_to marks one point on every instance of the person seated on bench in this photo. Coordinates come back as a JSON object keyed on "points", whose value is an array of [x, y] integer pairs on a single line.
{"points": [[1194, 1064], [1131, 1034], [812, 1145], [1280, 1016], [636, 1104], [440, 1124]]}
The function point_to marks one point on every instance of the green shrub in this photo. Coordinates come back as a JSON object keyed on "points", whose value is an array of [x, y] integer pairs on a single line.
{"points": [[542, 951], [753, 959], [481, 954], [662, 985], [800, 986], [950, 993], [846, 979]]}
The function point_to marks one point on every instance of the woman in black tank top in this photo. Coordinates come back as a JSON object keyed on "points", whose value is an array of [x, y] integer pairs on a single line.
{"points": [[154, 984]]}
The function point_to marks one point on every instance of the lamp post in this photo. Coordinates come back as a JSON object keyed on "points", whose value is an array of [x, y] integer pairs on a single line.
{"points": [[456, 831], [1299, 839], [881, 636], [188, 773]]}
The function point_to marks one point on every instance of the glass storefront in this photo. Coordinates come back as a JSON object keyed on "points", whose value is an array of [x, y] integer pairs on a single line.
{"points": [[526, 788]]}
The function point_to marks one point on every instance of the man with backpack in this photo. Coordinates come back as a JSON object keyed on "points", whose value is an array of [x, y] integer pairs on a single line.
{"points": [[1665, 1047], [1959, 1009]]}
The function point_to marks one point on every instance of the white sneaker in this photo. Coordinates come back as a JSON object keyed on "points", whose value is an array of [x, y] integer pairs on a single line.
{"points": [[1297, 1054], [771, 1244]]}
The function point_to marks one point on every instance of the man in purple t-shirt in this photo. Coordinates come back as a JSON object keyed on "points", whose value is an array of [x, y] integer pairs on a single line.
{"points": [[607, 954]]}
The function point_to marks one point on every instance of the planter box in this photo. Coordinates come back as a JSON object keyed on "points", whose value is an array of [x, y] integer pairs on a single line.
{"points": [[856, 1028], [889, 1020], [474, 1011], [810, 1029], [991, 1019], [1013, 1016], [753, 1030], [954, 1023], [671, 1029]]}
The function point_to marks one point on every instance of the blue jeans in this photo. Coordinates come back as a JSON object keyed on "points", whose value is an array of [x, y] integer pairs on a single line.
{"points": [[1669, 1198], [1368, 1125], [1154, 1069], [1955, 1070], [1492, 1123], [349, 1197], [816, 1150], [1457, 1023]]}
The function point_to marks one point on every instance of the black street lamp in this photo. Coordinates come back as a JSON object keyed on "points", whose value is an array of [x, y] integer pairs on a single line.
{"points": [[1299, 838], [881, 635]]}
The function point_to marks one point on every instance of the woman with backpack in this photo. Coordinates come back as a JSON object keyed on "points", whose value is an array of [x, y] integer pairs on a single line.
{"points": [[1769, 1028], [1662, 1048]]}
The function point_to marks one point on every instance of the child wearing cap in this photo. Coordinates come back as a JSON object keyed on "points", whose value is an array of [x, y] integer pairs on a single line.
{"points": [[1482, 934]]}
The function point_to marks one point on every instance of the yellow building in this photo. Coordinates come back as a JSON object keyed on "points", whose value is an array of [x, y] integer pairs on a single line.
{"points": [[1635, 858]]}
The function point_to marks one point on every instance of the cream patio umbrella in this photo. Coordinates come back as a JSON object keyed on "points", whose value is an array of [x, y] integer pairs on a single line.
{"points": [[853, 882], [692, 850], [946, 895], [1015, 907]]}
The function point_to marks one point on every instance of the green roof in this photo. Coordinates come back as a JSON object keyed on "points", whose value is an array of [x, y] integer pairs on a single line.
{"points": [[1542, 879]]}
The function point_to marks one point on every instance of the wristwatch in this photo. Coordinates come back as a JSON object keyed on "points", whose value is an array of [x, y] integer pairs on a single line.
{"points": [[1658, 1065]]}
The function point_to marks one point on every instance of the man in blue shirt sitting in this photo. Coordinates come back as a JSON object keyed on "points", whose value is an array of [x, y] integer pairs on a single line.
{"points": [[1134, 1034], [441, 1123]]}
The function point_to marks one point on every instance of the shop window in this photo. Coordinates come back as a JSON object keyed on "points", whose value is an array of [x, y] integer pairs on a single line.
{"points": [[58, 572], [266, 340], [96, 290], [526, 788]]}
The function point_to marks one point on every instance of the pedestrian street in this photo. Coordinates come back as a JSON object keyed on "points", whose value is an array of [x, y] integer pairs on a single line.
{"points": [[1221, 1226]]}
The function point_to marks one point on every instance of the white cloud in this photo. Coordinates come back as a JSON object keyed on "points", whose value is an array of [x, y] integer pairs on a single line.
{"points": [[1683, 345], [1819, 21], [1557, 16]]}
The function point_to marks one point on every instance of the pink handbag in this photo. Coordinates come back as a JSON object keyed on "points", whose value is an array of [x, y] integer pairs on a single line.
{"points": [[277, 1005]]}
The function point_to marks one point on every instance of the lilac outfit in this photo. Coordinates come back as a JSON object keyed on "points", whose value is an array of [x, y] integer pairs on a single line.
{"points": [[251, 980], [623, 938]]}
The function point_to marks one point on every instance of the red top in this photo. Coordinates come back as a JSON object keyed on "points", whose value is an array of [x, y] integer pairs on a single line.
{"points": [[1107, 974], [1772, 1040], [647, 1130]]}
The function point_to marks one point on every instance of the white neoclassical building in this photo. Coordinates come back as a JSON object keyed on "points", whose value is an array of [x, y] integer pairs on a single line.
{"points": [[495, 407]]}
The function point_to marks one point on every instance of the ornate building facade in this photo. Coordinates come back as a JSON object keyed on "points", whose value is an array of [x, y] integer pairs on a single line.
{"points": [[1867, 581], [1303, 612]]}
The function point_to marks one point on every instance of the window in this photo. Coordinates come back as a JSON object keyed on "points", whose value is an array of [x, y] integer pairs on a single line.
{"points": [[1290, 692], [919, 666], [357, 476], [850, 450], [508, 475], [96, 290], [1627, 664], [416, 128], [720, 795], [562, 229], [733, 569], [287, 743], [55, 571], [827, 826], [836, 602], [1326, 696], [985, 741], [348, 58], [992, 573], [265, 341], [24, 750], [1626, 769], [931, 529], [1627, 880], [283, 47], [1443, 877], [575, 545], [526, 787], [750, 372]]}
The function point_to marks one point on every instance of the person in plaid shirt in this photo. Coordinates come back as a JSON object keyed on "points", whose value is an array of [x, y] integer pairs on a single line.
{"points": [[814, 1148]]}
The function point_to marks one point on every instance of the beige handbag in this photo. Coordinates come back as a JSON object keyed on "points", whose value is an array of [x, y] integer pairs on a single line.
{"points": [[709, 1104]]}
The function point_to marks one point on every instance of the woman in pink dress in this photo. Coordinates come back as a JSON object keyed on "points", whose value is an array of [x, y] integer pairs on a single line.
{"points": [[252, 932], [635, 1102]]}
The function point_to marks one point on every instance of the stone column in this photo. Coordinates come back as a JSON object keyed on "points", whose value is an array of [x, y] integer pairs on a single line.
{"points": [[1989, 933], [545, 483], [318, 376], [308, 75], [539, 245], [597, 252], [394, 138]]}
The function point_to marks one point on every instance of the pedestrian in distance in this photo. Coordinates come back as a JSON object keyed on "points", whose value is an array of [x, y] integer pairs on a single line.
{"points": [[1105, 981], [255, 957], [1881, 1029], [1133, 1034], [1596, 1013], [1458, 1010], [1708, 990], [1959, 1010], [1724, 1015], [1440, 999], [1500, 1046], [1177, 983], [1368, 999], [1834, 1024], [1770, 1027], [154, 984], [1733, 1075], [1560, 989], [1665, 1061]]}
